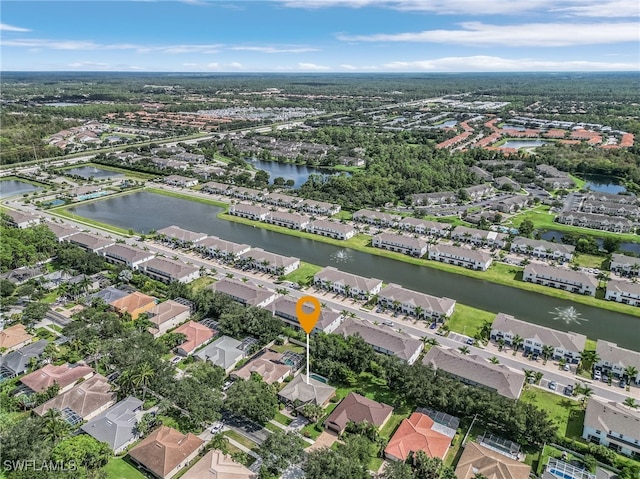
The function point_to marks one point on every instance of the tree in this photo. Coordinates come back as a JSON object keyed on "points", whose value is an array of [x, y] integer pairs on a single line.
{"points": [[312, 412], [589, 357], [324, 463], [397, 470], [280, 450], [494, 360], [255, 400], [526, 227], [630, 372], [517, 341], [146, 423], [142, 377], [34, 312], [82, 450], [54, 427], [426, 467], [611, 244], [547, 352], [465, 350], [631, 403]]}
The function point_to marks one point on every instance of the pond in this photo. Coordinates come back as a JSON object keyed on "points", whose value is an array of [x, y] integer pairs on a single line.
{"points": [[289, 171], [16, 187], [448, 124], [517, 144], [555, 235], [604, 184], [88, 171], [145, 211]]}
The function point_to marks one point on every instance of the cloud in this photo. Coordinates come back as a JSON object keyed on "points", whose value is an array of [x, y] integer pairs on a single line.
{"points": [[236, 65], [483, 63], [274, 49], [10, 28], [348, 67], [82, 45], [595, 8], [88, 64], [312, 67], [531, 34]]}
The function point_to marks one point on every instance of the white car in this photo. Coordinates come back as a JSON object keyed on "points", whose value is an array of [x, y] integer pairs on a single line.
{"points": [[216, 428], [597, 375]]}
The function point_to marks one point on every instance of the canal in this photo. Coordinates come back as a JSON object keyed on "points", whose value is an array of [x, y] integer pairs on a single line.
{"points": [[12, 187], [145, 211]]}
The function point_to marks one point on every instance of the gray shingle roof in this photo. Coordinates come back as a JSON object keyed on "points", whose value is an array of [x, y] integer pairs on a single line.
{"points": [[612, 416], [563, 248], [507, 382], [614, 354], [552, 337], [315, 392], [222, 352], [116, 425], [16, 362], [334, 275]]}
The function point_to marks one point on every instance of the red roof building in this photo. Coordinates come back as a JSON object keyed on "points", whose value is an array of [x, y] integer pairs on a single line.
{"points": [[417, 434]]}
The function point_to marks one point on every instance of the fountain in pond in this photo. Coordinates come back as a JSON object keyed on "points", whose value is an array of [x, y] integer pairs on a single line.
{"points": [[568, 315], [341, 256]]}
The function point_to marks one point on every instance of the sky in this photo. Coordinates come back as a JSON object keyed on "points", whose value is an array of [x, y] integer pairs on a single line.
{"points": [[320, 35]]}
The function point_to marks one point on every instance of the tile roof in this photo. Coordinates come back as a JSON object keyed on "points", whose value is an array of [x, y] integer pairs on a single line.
{"points": [[357, 408], [569, 341], [315, 392], [196, 335], [217, 465], [83, 399], [223, 352], [417, 434], [65, 375], [507, 382], [166, 311], [164, 449], [117, 425], [132, 302], [13, 336], [267, 366], [477, 459]]}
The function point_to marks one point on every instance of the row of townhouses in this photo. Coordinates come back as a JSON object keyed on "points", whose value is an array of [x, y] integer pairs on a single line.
{"points": [[614, 224], [296, 221], [542, 249], [249, 194], [561, 278], [623, 291]]}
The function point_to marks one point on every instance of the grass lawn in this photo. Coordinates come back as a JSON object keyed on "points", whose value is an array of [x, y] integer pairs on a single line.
{"points": [[304, 274], [376, 389], [200, 283], [468, 320], [343, 215], [282, 419], [272, 427], [246, 442], [566, 413], [589, 260], [390, 427], [288, 347], [187, 197], [119, 468], [49, 297]]}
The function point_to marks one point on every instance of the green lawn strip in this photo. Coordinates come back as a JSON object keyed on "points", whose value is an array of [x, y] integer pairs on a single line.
{"points": [[273, 428], [246, 442], [282, 419], [310, 431], [304, 274], [590, 345], [49, 297], [579, 181], [468, 320], [200, 283], [119, 468], [184, 196], [343, 215], [287, 347], [566, 413], [390, 427], [589, 260]]}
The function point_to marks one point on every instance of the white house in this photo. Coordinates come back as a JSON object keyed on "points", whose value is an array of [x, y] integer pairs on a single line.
{"points": [[623, 291], [479, 237], [399, 243], [346, 283], [472, 259], [542, 249], [294, 221], [424, 227], [331, 229], [270, 262], [625, 265], [251, 212], [561, 278], [613, 425], [415, 303], [616, 359]]}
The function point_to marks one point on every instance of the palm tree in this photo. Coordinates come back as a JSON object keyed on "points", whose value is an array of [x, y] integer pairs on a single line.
{"points": [[547, 352], [630, 372], [347, 290], [54, 428], [465, 350], [142, 377], [516, 342], [529, 375], [494, 360], [590, 357], [538, 377], [631, 403], [500, 344], [419, 311]]}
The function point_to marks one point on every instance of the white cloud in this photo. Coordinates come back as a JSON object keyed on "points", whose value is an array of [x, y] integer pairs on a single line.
{"points": [[312, 67], [212, 65], [348, 67], [482, 63], [10, 28], [274, 49], [531, 34], [595, 8], [94, 65], [236, 65], [90, 45]]}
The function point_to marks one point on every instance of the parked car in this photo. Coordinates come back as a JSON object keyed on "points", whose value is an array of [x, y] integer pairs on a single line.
{"points": [[217, 427], [388, 323], [568, 390], [566, 367], [597, 375], [470, 342], [433, 325], [227, 385], [623, 383], [552, 385], [535, 356]]}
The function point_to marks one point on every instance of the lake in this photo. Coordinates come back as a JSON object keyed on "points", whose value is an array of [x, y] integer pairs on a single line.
{"points": [[145, 211], [604, 184], [555, 235], [517, 144], [91, 171], [289, 171], [16, 187]]}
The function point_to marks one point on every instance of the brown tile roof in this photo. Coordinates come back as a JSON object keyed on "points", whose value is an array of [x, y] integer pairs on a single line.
{"points": [[357, 408], [13, 336], [166, 311], [132, 302], [196, 333], [217, 465], [479, 460], [165, 448], [41, 379], [84, 399], [416, 434], [266, 366]]}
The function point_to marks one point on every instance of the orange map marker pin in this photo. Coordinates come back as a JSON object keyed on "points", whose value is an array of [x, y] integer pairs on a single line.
{"points": [[308, 319]]}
